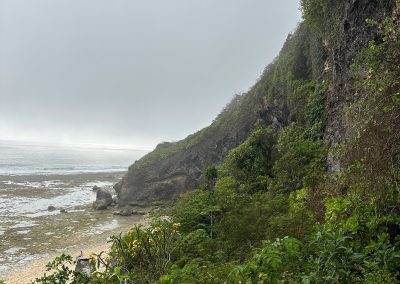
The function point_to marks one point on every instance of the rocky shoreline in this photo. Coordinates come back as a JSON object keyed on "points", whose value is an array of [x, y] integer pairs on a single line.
{"points": [[45, 215], [86, 244]]}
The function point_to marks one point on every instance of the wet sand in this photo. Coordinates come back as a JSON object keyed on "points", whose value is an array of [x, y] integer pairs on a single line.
{"points": [[31, 236], [88, 244]]}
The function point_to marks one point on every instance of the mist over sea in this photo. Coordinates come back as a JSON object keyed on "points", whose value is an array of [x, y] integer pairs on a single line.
{"points": [[27, 159], [34, 177]]}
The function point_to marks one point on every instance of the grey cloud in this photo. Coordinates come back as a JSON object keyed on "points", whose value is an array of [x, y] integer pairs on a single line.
{"points": [[130, 72]]}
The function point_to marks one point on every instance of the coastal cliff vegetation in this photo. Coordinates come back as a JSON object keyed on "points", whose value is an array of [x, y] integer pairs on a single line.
{"points": [[289, 204]]}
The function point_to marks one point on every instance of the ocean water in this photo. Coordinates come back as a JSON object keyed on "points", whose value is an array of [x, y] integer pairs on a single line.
{"points": [[34, 177], [23, 159]]}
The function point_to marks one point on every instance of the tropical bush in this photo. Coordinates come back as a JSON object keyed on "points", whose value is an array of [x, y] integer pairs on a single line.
{"points": [[272, 212], [60, 272]]}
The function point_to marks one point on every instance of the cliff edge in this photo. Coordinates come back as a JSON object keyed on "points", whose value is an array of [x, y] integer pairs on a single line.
{"points": [[322, 55]]}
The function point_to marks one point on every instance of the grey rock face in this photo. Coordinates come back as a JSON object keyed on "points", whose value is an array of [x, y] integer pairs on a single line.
{"points": [[356, 34], [103, 200], [174, 168], [100, 205], [127, 211]]}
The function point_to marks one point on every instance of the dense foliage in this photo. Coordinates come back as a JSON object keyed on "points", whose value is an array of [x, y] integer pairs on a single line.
{"points": [[272, 212]]}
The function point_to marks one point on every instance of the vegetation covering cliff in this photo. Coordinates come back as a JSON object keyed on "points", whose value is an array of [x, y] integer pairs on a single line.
{"points": [[311, 192], [321, 52], [173, 168]]}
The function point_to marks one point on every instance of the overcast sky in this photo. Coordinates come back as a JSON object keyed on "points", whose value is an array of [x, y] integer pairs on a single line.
{"points": [[130, 72]]}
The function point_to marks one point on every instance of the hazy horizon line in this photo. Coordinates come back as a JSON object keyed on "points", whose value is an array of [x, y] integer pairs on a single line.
{"points": [[104, 146]]}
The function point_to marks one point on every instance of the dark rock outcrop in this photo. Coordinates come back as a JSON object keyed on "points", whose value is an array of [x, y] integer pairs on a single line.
{"points": [[173, 168], [103, 200], [51, 208], [126, 211], [352, 34], [115, 200]]}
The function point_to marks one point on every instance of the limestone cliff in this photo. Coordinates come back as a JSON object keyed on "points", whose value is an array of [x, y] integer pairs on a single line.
{"points": [[323, 55], [173, 168], [343, 39]]}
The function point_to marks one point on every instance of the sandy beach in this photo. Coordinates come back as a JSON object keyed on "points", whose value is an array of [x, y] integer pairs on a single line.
{"points": [[87, 244], [31, 235]]}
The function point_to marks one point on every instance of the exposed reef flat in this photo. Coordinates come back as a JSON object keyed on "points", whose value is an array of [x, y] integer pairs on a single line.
{"points": [[29, 231], [72, 245]]}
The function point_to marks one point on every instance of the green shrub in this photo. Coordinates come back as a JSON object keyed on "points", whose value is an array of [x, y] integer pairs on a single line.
{"points": [[302, 159], [143, 254], [250, 221], [250, 163], [60, 272], [273, 263], [315, 12], [200, 271]]}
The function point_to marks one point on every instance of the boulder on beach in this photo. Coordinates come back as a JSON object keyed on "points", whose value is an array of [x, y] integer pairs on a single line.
{"points": [[114, 201], [63, 211], [126, 211], [103, 199], [94, 188], [51, 208]]}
